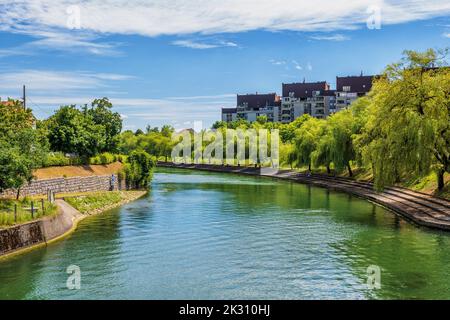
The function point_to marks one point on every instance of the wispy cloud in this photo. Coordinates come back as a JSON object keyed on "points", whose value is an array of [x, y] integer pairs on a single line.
{"points": [[49, 81], [138, 112], [333, 37], [59, 39], [446, 35], [277, 62], [297, 65], [203, 45], [183, 17]]}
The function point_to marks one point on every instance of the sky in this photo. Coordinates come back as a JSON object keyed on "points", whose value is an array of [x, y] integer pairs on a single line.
{"points": [[176, 62]]}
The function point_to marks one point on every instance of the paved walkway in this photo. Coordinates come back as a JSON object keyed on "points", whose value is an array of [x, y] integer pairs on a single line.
{"points": [[418, 207]]}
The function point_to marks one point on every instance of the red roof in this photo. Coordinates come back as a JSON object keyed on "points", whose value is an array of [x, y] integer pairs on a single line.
{"points": [[7, 103]]}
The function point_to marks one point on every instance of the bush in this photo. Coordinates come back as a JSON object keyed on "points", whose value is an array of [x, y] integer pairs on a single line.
{"points": [[138, 170], [107, 158], [56, 159]]}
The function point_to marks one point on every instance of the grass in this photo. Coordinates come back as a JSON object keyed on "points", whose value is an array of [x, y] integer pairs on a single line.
{"points": [[7, 217], [89, 202]]}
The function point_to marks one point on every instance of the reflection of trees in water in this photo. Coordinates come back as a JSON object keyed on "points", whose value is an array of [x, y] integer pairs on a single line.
{"points": [[259, 195], [43, 271], [411, 259]]}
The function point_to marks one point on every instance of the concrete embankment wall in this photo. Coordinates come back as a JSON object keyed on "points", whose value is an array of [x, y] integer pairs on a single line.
{"points": [[40, 231], [65, 185]]}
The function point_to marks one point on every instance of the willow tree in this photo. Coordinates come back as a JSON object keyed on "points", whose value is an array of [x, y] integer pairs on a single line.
{"points": [[407, 132], [306, 140], [322, 155]]}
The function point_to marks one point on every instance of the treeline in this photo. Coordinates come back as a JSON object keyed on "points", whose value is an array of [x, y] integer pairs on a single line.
{"points": [[399, 131], [71, 136]]}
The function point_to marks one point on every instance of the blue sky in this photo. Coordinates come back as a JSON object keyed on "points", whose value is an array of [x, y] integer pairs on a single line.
{"points": [[179, 62]]}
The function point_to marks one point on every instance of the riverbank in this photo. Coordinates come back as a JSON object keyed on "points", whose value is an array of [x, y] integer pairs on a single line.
{"points": [[419, 208], [32, 235]]}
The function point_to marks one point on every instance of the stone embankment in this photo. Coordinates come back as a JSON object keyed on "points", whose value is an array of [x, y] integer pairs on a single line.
{"points": [[40, 232], [420, 208], [65, 185]]}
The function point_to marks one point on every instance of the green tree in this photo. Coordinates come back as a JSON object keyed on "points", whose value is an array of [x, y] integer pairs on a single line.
{"points": [[322, 155], [101, 115], [407, 132], [139, 169], [20, 149], [261, 119], [73, 131], [306, 140], [341, 128]]}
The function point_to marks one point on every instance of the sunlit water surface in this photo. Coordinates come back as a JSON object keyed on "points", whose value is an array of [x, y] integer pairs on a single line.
{"points": [[217, 236]]}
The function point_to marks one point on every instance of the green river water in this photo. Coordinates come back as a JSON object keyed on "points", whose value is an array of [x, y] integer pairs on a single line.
{"points": [[201, 235]]}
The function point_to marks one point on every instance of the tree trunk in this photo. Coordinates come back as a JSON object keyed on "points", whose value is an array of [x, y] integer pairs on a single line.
{"points": [[18, 194], [328, 169], [309, 167], [350, 173], [440, 176]]}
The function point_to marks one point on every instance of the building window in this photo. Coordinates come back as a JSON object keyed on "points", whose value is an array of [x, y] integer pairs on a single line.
{"points": [[346, 88]]}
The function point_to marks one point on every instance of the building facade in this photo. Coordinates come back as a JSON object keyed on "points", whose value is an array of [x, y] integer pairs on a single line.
{"points": [[313, 98], [250, 106], [348, 89]]}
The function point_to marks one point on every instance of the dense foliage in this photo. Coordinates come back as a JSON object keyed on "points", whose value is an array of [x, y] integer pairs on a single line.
{"points": [[400, 130], [138, 170], [85, 132], [22, 148]]}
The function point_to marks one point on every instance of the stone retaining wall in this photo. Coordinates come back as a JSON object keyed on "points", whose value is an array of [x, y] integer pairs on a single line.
{"points": [[65, 185], [39, 231]]}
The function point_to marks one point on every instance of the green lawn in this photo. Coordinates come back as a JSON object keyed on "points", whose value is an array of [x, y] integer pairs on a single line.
{"points": [[8, 218], [87, 203]]}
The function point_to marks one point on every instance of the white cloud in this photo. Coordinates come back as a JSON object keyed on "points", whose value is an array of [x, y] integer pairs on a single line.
{"points": [[309, 66], [177, 17], [446, 35], [297, 65], [57, 39], [140, 112], [333, 37], [277, 62], [203, 45], [57, 81]]}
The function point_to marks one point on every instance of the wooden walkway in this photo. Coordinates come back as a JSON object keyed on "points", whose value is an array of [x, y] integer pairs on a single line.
{"points": [[420, 208]]}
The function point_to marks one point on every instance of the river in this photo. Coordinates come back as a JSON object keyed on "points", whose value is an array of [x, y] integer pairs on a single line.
{"points": [[201, 235]]}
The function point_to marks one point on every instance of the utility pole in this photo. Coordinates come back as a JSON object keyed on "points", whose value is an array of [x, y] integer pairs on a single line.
{"points": [[24, 98]]}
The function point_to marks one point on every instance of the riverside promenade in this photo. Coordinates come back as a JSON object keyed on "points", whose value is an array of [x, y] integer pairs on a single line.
{"points": [[422, 209]]}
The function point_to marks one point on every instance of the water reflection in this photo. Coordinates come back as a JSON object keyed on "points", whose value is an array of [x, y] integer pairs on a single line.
{"points": [[217, 236]]}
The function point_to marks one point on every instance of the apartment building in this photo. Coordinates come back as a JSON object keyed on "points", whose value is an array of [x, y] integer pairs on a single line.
{"points": [[348, 89], [251, 106], [313, 98], [229, 114]]}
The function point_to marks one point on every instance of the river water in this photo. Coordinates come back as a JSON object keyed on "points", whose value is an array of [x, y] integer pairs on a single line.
{"points": [[202, 235]]}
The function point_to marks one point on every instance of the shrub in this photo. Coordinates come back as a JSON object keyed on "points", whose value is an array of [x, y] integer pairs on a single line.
{"points": [[107, 158], [56, 159], [138, 170], [104, 158]]}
